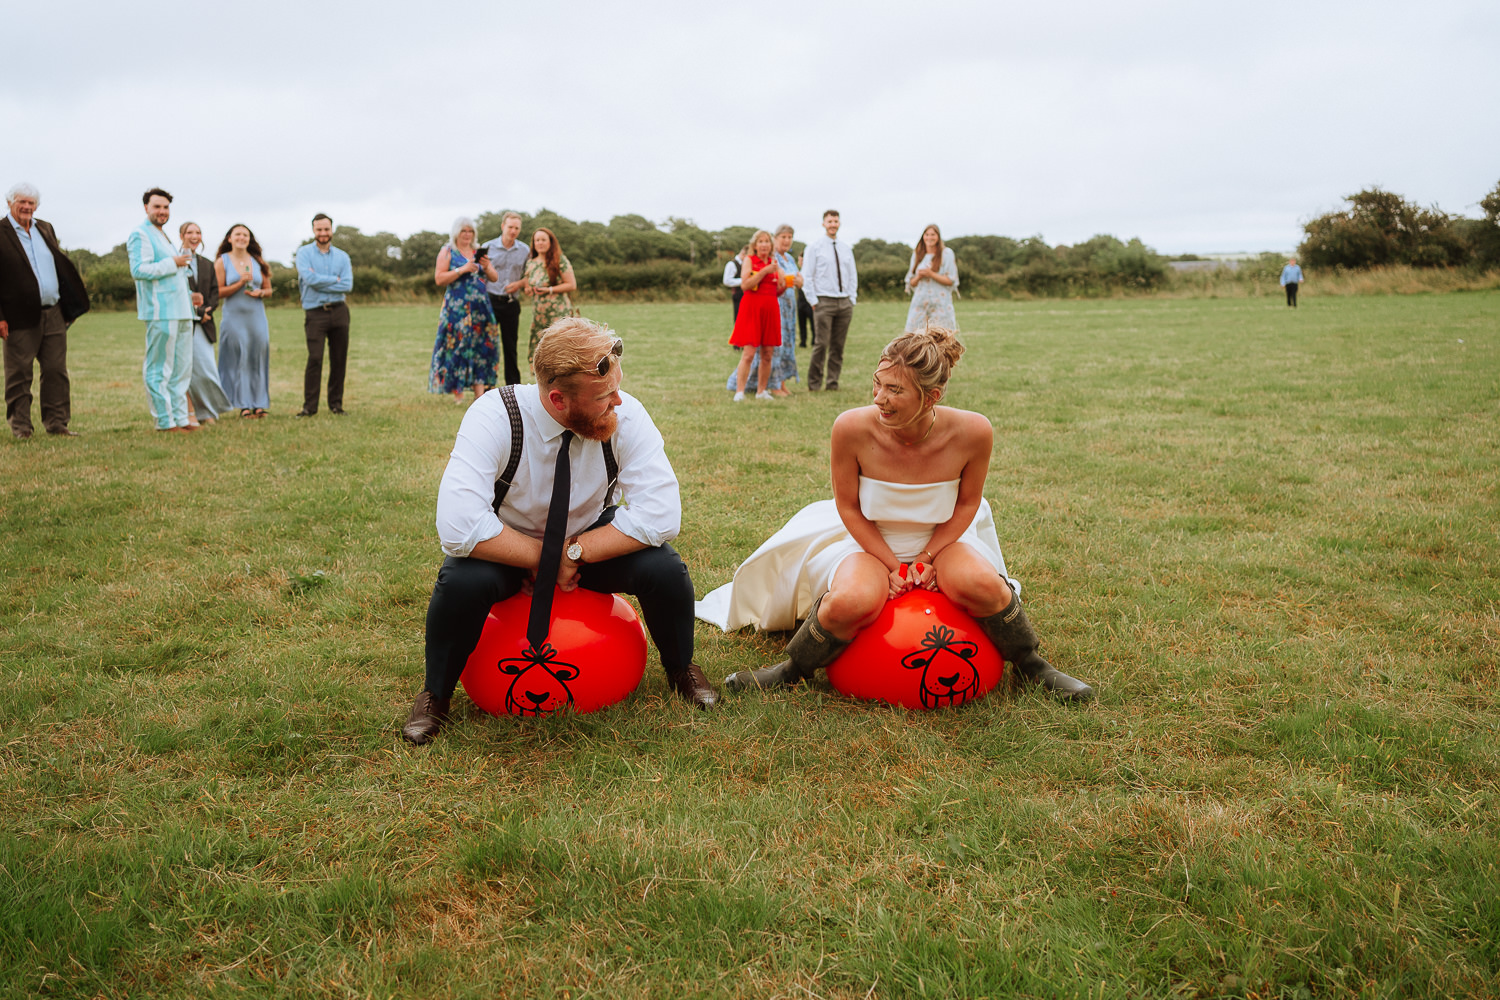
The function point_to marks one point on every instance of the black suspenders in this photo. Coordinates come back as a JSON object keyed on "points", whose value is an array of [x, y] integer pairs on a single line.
{"points": [[503, 484]]}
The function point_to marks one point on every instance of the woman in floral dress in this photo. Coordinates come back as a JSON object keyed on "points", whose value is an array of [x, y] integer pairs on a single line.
{"points": [[930, 280], [548, 280], [465, 354]]}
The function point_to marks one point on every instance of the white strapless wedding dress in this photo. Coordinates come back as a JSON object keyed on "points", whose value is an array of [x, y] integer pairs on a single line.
{"points": [[775, 588]]}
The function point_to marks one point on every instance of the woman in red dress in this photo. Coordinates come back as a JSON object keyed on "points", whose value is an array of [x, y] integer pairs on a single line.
{"points": [[758, 326]]}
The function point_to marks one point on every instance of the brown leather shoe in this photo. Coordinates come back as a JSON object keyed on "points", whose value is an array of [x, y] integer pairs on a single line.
{"points": [[427, 716], [64, 433], [694, 687]]}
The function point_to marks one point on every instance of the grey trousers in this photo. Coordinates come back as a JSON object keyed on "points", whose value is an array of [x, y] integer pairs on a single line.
{"points": [[47, 343], [831, 318]]}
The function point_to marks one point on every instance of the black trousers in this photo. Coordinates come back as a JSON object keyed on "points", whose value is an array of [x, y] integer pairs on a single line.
{"points": [[466, 588], [507, 309], [328, 324], [804, 318], [1291, 294]]}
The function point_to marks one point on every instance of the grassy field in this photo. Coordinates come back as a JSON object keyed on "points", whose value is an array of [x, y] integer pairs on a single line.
{"points": [[1269, 538]]}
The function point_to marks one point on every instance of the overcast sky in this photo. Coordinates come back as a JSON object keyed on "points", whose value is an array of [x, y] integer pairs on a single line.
{"points": [[1196, 126]]}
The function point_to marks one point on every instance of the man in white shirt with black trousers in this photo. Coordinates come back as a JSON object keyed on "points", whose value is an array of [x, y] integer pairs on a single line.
{"points": [[832, 286], [617, 532]]}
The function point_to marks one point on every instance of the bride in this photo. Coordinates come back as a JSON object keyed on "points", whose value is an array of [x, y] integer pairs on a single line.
{"points": [[908, 510]]}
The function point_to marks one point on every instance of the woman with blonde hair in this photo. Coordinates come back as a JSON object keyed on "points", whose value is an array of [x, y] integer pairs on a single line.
{"points": [[908, 510], [757, 328], [465, 354], [931, 280]]}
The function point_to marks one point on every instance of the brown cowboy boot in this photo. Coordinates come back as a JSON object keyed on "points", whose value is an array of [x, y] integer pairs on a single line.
{"points": [[1017, 641], [811, 647]]}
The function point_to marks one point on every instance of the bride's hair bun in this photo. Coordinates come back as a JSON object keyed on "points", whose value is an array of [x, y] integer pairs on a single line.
{"points": [[928, 355]]}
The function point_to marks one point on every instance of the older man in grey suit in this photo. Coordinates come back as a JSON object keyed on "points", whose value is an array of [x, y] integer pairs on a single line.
{"points": [[41, 294]]}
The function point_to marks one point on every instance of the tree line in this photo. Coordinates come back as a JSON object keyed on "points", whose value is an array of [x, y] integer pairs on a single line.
{"points": [[677, 259], [1381, 229]]}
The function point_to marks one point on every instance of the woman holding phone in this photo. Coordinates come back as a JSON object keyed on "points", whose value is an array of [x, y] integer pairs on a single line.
{"points": [[465, 354], [244, 281]]}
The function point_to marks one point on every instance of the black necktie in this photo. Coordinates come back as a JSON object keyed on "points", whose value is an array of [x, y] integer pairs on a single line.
{"points": [[552, 545], [837, 267]]}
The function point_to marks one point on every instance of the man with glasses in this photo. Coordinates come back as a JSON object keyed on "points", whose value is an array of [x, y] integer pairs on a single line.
{"points": [[623, 508]]}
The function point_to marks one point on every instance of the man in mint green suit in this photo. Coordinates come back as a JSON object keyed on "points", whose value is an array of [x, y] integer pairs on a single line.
{"points": [[164, 301]]}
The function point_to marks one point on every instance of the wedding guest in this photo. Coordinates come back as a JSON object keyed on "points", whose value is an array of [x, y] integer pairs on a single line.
{"points": [[930, 280], [733, 275], [464, 356], [41, 294], [832, 290], [508, 254], [244, 283], [548, 280], [324, 274], [758, 328], [784, 358], [165, 305], [206, 398]]}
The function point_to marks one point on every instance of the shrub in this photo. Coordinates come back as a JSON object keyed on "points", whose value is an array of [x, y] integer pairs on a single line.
{"points": [[110, 284], [1380, 229]]}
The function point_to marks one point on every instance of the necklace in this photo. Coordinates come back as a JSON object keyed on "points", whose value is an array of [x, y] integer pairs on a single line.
{"points": [[924, 437]]}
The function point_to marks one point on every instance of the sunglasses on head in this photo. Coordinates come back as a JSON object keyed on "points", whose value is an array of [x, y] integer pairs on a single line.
{"points": [[616, 350]]}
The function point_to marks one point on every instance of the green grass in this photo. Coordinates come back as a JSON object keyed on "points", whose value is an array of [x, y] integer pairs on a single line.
{"points": [[1268, 537]]}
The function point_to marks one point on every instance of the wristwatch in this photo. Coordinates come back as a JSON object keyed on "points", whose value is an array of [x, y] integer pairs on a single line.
{"points": [[575, 551]]}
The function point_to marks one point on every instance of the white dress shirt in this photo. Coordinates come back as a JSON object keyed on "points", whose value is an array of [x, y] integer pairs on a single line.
{"points": [[731, 277], [821, 278], [651, 506]]}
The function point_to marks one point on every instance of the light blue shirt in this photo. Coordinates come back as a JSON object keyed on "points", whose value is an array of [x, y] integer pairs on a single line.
{"points": [[508, 264], [323, 278], [1291, 273], [42, 264]]}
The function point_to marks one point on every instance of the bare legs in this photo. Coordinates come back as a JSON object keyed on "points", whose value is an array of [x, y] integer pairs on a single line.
{"points": [[742, 373]]}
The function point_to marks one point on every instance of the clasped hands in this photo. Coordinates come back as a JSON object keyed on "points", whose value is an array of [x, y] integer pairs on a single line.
{"points": [[911, 577]]}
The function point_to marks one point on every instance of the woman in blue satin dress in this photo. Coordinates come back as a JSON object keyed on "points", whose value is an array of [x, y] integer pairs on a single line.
{"points": [[244, 336]]}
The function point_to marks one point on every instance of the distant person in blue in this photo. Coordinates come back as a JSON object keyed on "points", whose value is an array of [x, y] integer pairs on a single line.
{"points": [[324, 274], [1291, 277]]}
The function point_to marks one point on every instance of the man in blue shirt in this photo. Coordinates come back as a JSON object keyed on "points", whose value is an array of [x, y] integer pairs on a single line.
{"points": [[1291, 277], [324, 274], [41, 294], [508, 254]]}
